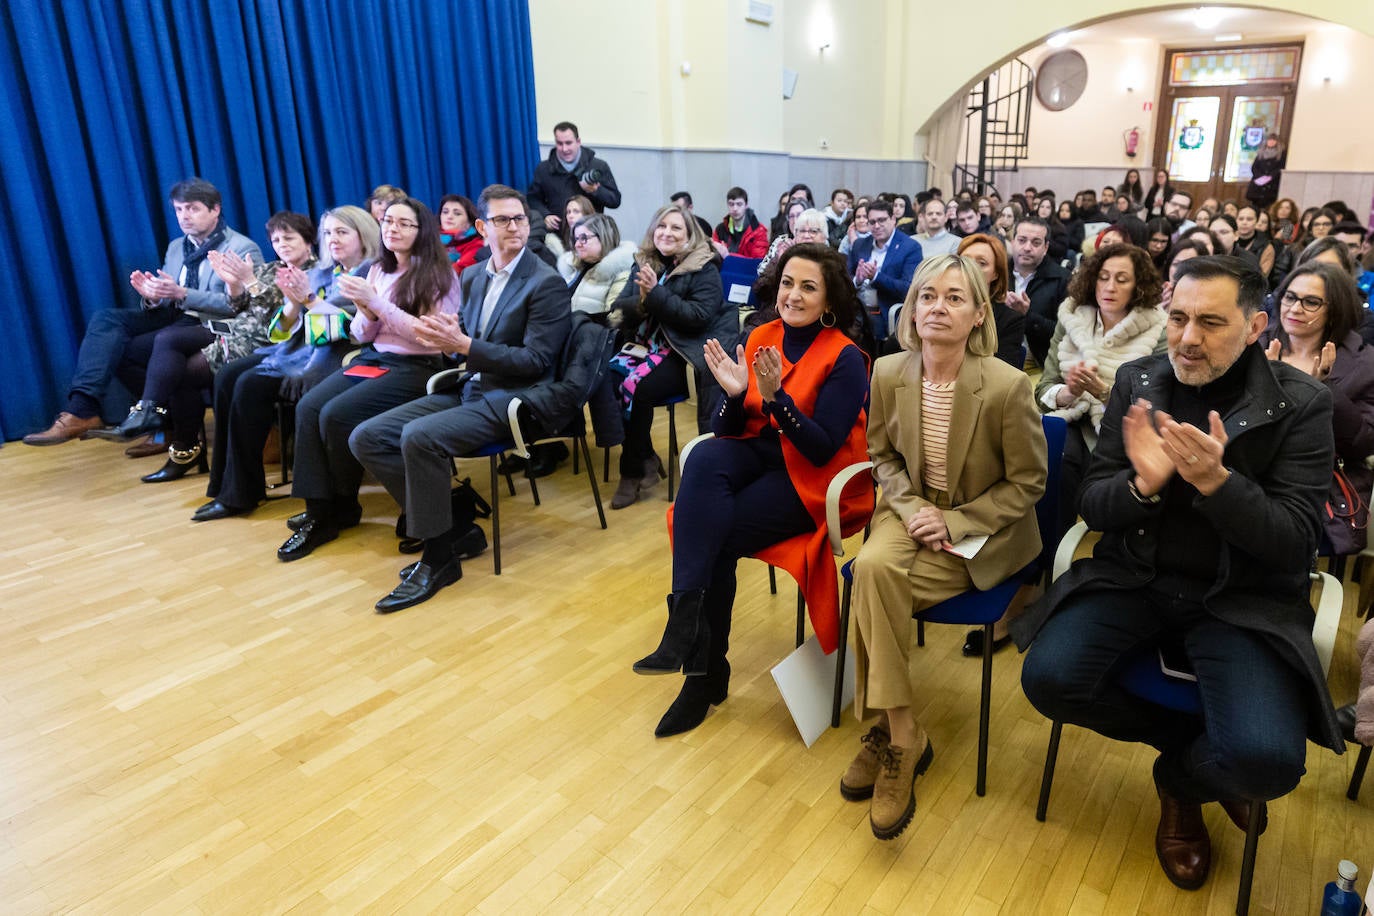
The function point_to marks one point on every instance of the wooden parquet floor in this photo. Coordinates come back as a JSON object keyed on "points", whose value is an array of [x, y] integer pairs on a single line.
{"points": [[189, 726]]}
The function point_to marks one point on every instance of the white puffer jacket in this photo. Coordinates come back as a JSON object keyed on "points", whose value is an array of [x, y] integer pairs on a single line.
{"points": [[603, 282], [1082, 339]]}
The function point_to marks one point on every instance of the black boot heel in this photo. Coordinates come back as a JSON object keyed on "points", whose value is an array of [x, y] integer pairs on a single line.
{"points": [[686, 638]]}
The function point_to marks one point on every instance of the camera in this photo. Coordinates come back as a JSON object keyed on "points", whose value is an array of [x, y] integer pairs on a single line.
{"points": [[590, 176]]}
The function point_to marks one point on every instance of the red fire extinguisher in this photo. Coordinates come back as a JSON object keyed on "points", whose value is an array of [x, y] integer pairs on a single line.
{"points": [[1132, 138]]}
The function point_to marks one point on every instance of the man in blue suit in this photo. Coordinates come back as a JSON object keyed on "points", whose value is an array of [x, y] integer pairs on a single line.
{"points": [[514, 320], [882, 265]]}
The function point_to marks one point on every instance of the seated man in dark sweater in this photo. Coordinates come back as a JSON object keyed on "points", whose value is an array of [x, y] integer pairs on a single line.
{"points": [[1211, 468]]}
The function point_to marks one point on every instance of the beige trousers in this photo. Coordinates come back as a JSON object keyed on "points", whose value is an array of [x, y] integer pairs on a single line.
{"points": [[893, 578]]}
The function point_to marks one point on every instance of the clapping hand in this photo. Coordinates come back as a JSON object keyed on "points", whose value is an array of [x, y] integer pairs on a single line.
{"points": [[442, 331], [1157, 454], [732, 374], [360, 291], [1018, 302], [293, 282], [236, 271], [928, 529], [866, 270], [768, 371], [1082, 376], [645, 280], [1321, 366], [156, 287]]}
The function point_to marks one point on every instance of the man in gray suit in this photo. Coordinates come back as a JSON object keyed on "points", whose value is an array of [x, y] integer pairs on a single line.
{"points": [[185, 289], [513, 323]]}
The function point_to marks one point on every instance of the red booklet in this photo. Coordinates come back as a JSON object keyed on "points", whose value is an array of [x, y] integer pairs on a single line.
{"points": [[366, 371]]}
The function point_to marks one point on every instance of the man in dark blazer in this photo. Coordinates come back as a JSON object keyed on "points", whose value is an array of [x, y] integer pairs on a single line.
{"points": [[1207, 484], [514, 321], [1039, 284], [882, 265]]}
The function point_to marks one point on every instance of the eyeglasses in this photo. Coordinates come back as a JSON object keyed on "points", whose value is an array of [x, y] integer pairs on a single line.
{"points": [[1308, 303], [399, 223], [501, 222], [583, 239]]}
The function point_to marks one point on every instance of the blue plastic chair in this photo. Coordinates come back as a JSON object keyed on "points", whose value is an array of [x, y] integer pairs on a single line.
{"points": [[1143, 677], [983, 608], [736, 270]]}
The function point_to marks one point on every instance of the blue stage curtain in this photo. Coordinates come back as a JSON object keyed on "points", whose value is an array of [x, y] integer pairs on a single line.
{"points": [[282, 104]]}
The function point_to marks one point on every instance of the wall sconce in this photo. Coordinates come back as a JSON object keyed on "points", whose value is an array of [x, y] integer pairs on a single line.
{"points": [[822, 49]]}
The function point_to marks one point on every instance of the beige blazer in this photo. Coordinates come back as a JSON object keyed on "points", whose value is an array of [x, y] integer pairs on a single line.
{"points": [[996, 457]]}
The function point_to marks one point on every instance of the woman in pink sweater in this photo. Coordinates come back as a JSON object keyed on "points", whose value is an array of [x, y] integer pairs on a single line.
{"points": [[410, 280]]}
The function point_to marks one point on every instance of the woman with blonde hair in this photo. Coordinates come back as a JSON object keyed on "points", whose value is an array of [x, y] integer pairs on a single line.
{"points": [[957, 453]]}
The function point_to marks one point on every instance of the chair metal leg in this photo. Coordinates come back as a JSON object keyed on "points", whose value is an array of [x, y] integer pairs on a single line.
{"points": [[581, 442], [672, 451], [496, 514], [534, 490], [576, 457], [801, 617], [1247, 862], [984, 713], [920, 632], [840, 653], [606, 465], [1356, 778], [1047, 778], [286, 437], [510, 480], [772, 581]]}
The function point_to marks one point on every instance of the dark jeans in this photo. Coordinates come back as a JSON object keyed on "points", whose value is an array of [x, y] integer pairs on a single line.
{"points": [[245, 409], [667, 380], [168, 369], [1251, 740], [102, 350], [735, 500], [325, 469]]}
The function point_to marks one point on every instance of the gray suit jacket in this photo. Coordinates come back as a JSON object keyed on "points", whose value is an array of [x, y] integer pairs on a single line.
{"points": [[526, 331], [209, 299]]}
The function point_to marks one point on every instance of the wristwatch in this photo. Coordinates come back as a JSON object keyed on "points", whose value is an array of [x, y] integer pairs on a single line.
{"points": [[1141, 497]]}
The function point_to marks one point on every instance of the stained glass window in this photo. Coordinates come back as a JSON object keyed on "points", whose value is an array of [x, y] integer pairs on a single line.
{"points": [[1252, 120], [1234, 67]]}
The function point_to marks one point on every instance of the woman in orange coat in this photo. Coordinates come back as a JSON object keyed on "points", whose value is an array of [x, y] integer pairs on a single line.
{"points": [[792, 417]]}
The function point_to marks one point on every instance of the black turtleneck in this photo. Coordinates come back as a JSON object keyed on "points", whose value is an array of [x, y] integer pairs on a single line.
{"points": [[1189, 547], [819, 436]]}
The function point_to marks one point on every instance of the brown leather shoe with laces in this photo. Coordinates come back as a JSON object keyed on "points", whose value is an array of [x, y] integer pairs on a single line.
{"points": [[857, 782], [1181, 841], [894, 790]]}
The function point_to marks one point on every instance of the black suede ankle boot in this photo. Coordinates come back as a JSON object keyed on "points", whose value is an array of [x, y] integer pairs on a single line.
{"points": [[685, 645], [695, 699]]}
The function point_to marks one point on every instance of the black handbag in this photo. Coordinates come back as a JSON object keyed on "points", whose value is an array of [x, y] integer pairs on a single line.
{"points": [[468, 507], [1345, 503]]}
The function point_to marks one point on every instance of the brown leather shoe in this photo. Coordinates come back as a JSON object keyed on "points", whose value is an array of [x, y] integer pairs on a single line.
{"points": [[857, 782], [894, 790], [66, 427], [147, 447], [1181, 842], [1238, 810]]}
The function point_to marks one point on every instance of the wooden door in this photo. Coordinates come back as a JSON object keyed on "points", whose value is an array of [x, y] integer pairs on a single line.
{"points": [[1211, 122]]}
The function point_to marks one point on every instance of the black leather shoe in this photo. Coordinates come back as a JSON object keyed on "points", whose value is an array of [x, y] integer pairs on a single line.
{"points": [[180, 462], [545, 459], [419, 583], [310, 535], [510, 465], [297, 521], [471, 545], [215, 509], [973, 644], [1345, 717]]}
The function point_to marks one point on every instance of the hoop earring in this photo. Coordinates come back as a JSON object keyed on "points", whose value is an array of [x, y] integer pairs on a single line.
{"points": [[832, 319]]}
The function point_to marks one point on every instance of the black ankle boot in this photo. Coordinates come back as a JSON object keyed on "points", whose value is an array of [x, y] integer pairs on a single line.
{"points": [[697, 696], [144, 417], [686, 641], [179, 462]]}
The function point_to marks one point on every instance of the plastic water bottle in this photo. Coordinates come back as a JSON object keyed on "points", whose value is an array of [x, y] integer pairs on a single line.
{"points": [[1340, 897]]}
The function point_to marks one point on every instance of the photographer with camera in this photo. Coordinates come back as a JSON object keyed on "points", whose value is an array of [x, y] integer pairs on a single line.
{"points": [[569, 171]]}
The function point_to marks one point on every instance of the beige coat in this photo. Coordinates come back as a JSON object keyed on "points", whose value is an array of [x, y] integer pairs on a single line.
{"points": [[996, 457]]}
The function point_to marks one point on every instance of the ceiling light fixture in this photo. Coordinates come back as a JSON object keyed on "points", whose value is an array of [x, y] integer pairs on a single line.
{"points": [[1207, 17], [1236, 36]]}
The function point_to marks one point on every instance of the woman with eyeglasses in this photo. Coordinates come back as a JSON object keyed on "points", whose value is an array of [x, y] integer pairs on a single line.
{"points": [[1319, 318], [784, 241], [672, 304], [598, 266], [410, 281], [1318, 226]]}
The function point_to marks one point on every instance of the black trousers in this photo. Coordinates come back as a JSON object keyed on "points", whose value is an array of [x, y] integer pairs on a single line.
{"points": [[245, 409], [667, 380], [170, 371]]}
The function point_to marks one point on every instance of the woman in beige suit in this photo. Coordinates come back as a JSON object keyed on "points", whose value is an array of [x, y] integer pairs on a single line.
{"points": [[958, 452]]}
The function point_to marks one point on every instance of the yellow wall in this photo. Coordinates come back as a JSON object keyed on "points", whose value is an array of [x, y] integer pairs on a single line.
{"points": [[613, 67]]}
